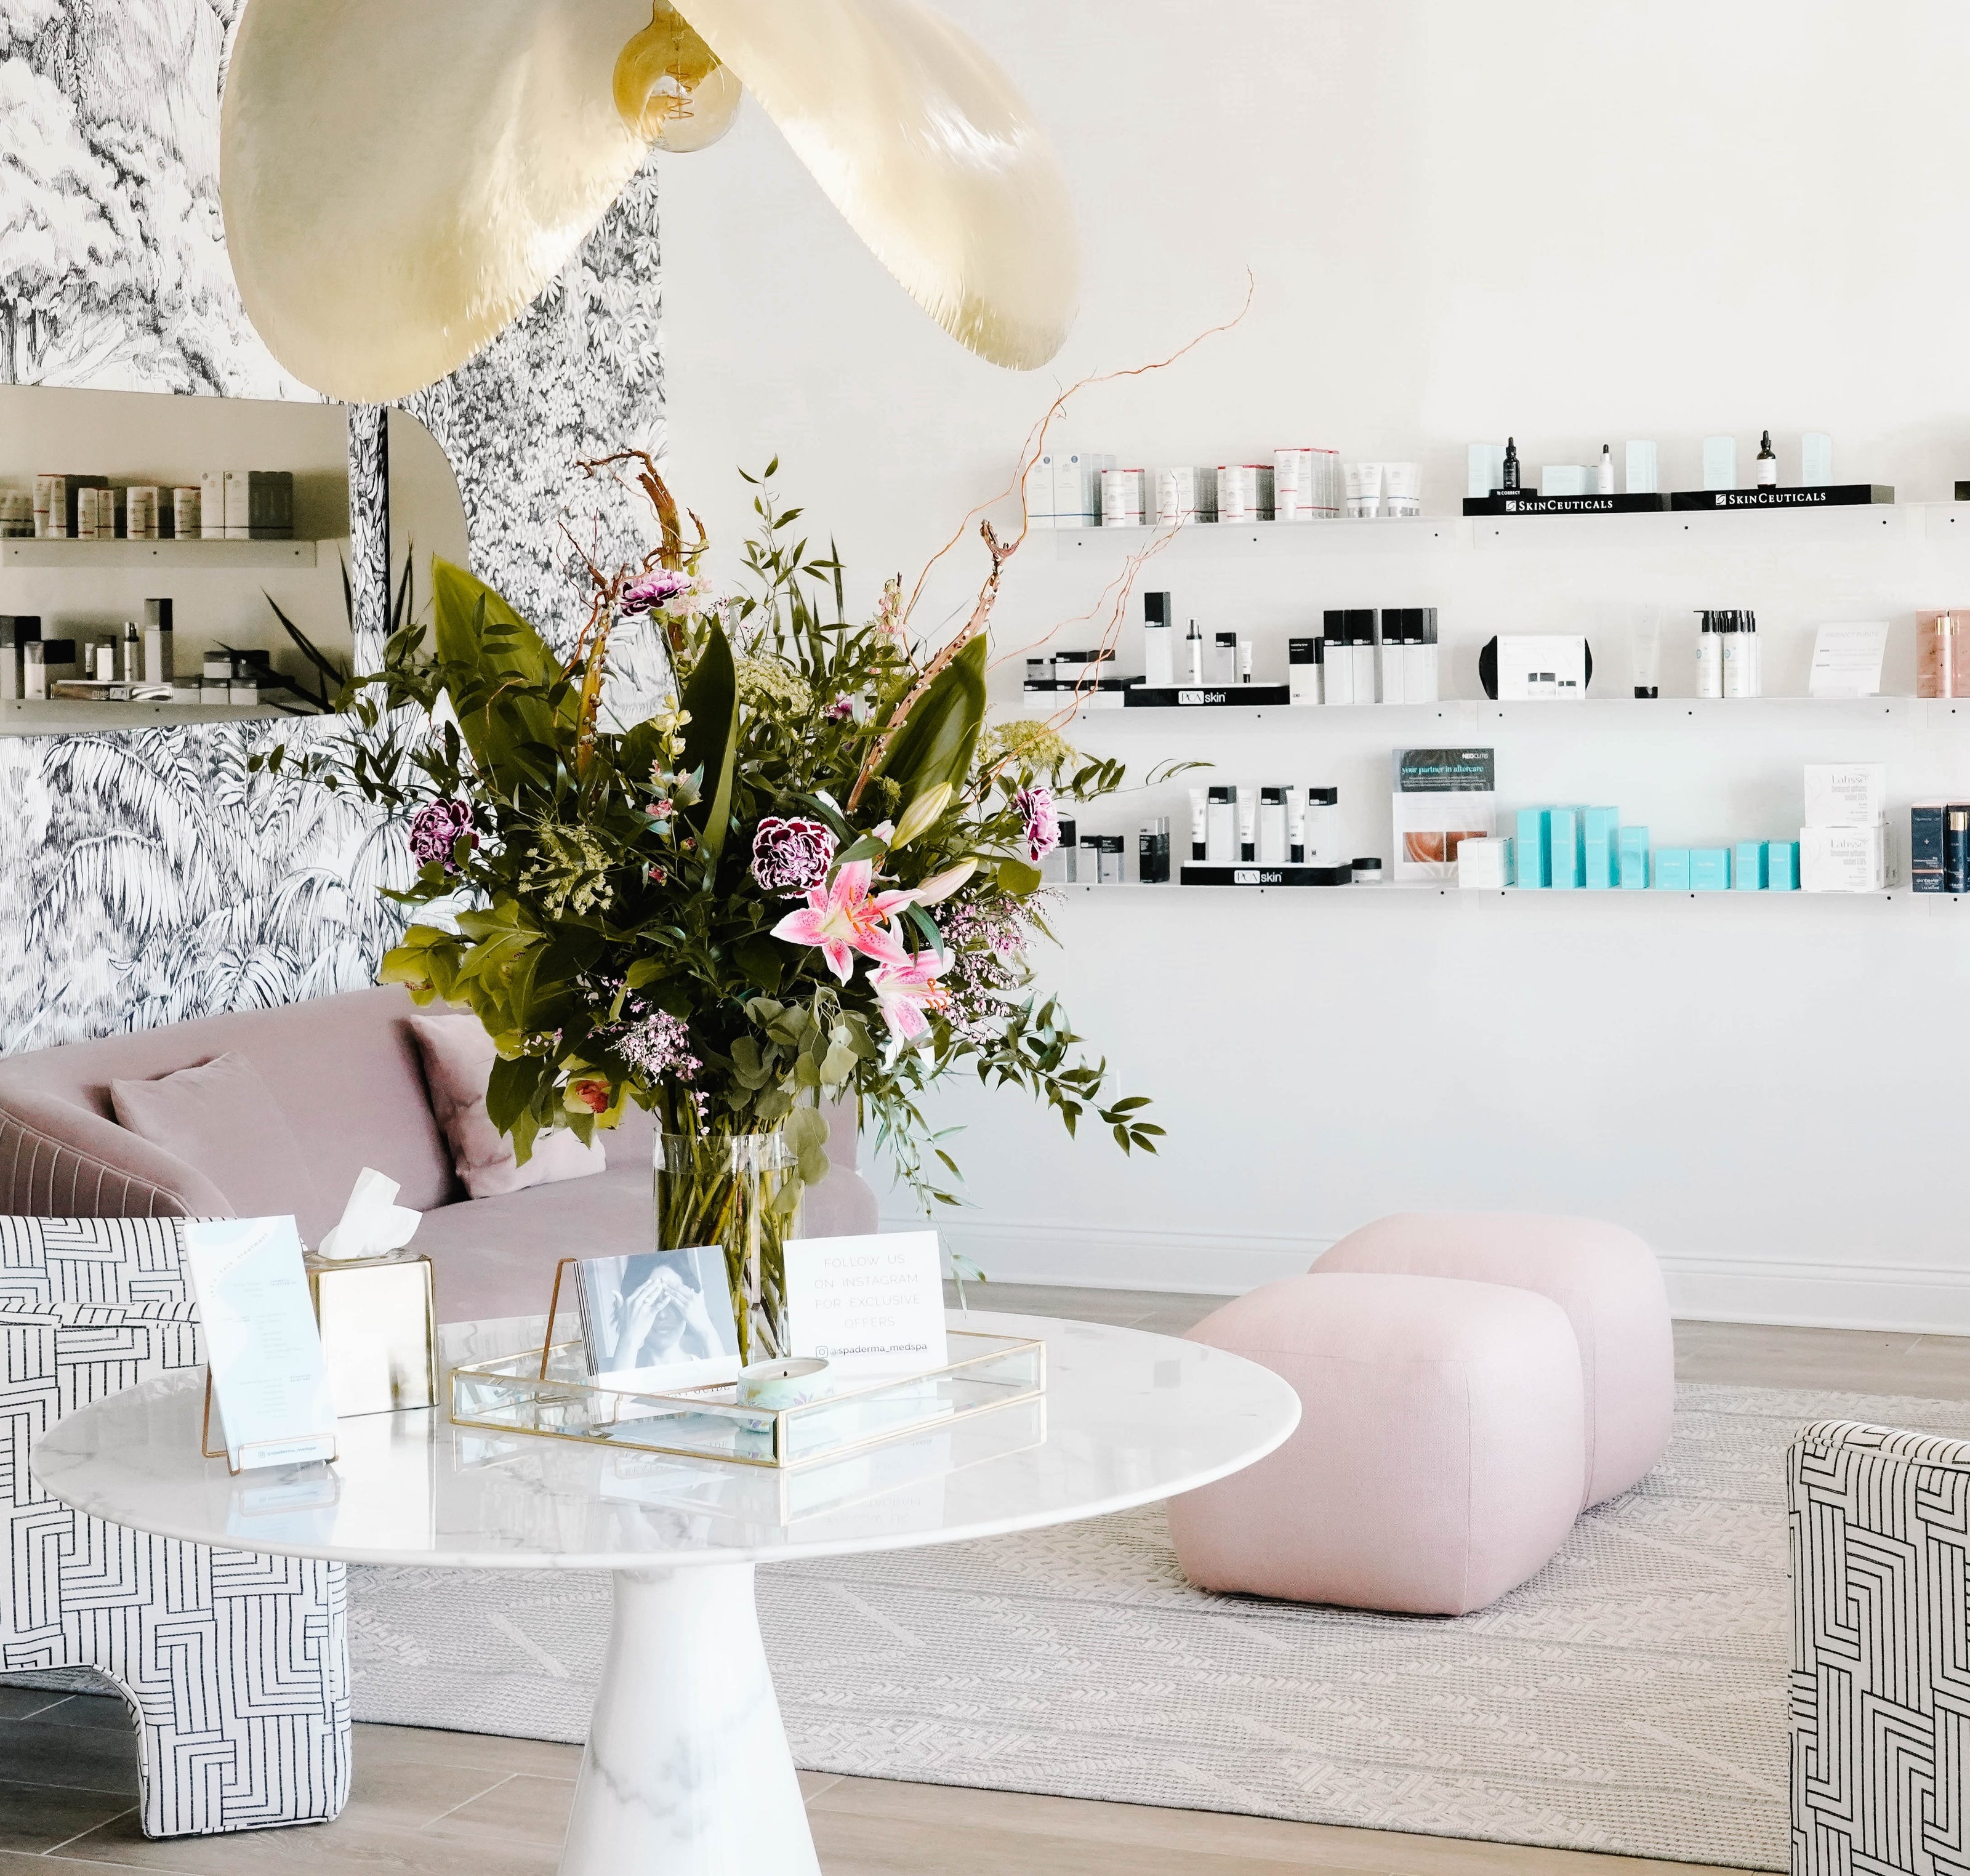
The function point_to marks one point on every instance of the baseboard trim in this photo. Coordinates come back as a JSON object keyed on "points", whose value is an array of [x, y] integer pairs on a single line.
{"points": [[1901, 1298]]}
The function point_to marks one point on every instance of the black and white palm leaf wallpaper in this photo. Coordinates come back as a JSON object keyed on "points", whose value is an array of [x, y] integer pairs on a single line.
{"points": [[150, 876]]}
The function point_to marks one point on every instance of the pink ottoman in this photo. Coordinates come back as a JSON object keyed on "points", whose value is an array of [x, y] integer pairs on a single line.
{"points": [[1605, 1279], [1438, 1461]]}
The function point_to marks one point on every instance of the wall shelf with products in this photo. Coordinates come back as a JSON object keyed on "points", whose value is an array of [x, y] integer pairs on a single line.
{"points": [[1903, 896], [204, 556], [1858, 524], [1470, 714], [20, 717]]}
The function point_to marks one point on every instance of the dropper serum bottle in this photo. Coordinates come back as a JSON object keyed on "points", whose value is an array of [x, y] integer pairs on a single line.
{"points": [[1768, 462], [1509, 474]]}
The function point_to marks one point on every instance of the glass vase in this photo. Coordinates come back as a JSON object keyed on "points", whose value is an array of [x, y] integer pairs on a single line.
{"points": [[741, 1191]]}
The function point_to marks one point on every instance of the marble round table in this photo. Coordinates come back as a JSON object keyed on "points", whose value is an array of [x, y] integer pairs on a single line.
{"points": [[687, 1770]]}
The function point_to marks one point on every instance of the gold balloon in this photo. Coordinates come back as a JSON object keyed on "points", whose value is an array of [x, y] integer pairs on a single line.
{"points": [[671, 88], [400, 180]]}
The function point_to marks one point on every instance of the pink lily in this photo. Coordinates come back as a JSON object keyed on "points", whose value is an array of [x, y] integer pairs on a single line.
{"points": [[843, 919], [906, 991]]}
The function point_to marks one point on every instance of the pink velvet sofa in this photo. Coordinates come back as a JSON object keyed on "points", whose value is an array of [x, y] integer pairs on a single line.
{"points": [[348, 1078]]}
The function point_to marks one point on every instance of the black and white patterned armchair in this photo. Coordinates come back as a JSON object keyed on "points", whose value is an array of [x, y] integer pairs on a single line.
{"points": [[236, 1665], [1881, 1666]]}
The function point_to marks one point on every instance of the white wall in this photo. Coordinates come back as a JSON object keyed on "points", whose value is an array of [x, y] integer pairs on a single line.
{"points": [[1577, 224]]}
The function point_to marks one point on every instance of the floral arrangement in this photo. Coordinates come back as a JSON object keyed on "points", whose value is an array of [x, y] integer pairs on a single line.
{"points": [[812, 873]]}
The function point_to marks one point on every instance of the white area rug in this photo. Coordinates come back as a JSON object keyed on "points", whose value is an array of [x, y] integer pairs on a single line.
{"points": [[1630, 1699]]}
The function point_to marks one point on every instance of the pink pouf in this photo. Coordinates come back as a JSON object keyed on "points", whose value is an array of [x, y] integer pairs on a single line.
{"points": [[1606, 1280], [1438, 1460]]}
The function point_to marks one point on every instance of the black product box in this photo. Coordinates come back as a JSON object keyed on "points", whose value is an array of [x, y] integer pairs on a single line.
{"points": [[1513, 502], [1830, 495], [1267, 876], [1925, 824], [1205, 697]]}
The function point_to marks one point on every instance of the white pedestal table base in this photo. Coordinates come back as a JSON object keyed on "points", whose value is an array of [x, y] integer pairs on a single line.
{"points": [[687, 1771]]}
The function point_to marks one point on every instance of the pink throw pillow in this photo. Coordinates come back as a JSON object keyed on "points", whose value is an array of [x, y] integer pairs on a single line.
{"points": [[221, 1119], [459, 1057]]}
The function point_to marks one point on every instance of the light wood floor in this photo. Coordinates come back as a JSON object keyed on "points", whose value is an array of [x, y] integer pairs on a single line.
{"points": [[466, 1804]]}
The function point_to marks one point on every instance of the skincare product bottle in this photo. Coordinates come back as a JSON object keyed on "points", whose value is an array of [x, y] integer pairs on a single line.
{"points": [[1709, 658], [1362, 622], [1221, 826], [1296, 828], [1510, 474], [1367, 869], [1337, 670], [1248, 821], [1110, 852], [1605, 483], [1323, 827], [1741, 654], [1067, 855], [1153, 854], [1303, 670], [1272, 827], [1391, 667], [158, 641], [1200, 824], [1224, 660], [1158, 641], [130, 661], [1935, 654], [1424, 670], [1768, 463], [1644, 648], [1091, 859], [1244, 660], [1956, 851], [1193, 651], [1925, 845]]}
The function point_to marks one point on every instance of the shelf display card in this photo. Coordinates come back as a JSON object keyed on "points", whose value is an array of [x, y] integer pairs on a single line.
{"points": [[268, 1378], [869, 1306]]}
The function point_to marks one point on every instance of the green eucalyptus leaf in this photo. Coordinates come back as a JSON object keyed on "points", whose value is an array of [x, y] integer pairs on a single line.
{"points": [[806, 1129], [1019, 878]]}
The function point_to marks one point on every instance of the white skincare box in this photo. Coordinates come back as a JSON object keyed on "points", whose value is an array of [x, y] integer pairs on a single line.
{"points": [[1567, 479], [1815, 459], [1843, 860], [1846, 795], [1039, 492], [1484, 861], [238, 496], [1641, 467], [1185, 496], [1122, 493], [1077, 487], [1536, 667], [212, 504], [1720, 461], [1486, 471]]}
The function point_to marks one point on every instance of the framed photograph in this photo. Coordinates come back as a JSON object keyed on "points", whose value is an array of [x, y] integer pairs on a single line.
{"points": [[660, 1320]]}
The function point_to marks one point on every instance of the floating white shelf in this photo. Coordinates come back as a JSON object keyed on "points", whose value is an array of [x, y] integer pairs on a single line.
{"points": [[64, 716], [207, 556], [1469, 714], [1889, 522], [1390, 889]]}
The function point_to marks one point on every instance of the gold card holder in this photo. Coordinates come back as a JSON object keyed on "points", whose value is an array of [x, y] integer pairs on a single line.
{"points": [[210, 1452], [379, 1321]]}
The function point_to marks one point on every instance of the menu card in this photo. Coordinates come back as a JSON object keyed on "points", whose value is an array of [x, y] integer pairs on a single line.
{"points": [[264, 1349], [869, 1306]]}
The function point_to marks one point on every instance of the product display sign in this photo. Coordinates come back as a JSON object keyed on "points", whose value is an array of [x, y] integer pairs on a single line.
{"points": [[868, 1305], [1441, 797], [269, 1380], [1847, 659]]}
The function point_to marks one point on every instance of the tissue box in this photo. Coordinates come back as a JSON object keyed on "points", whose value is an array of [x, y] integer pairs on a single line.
{"points": [[378, 1331]]}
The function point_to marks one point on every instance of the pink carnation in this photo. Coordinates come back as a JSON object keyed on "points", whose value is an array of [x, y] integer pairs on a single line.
{"points": [[790, 856], [652, 590], [1035, 807], [435, 830]]}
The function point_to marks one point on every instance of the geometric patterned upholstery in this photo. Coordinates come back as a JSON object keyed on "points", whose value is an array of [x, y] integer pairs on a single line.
{"points": [[235, 1665], [1881, 1666]]}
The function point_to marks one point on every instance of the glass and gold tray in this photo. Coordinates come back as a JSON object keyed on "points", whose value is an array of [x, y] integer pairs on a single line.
{"points": [[550, 1394]]}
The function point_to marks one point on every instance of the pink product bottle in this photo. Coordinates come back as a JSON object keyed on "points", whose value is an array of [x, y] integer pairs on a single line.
{"points": [[1943, 657]]}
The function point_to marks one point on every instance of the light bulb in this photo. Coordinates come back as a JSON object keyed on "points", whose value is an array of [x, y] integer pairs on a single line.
{"points": [[670, 87]]}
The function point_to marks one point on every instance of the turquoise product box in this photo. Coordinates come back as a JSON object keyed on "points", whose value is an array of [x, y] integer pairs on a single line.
{"points": [[1782, 866], [1600, 830], [1632, 848], [1533, 852], [1710, 869], [1565, 859], [1747, 866], [1673, 868]]}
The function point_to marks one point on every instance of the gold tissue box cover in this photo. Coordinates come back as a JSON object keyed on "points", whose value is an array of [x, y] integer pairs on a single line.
{"points": [[378, 1331]]}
